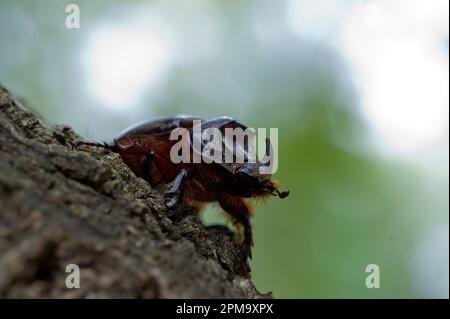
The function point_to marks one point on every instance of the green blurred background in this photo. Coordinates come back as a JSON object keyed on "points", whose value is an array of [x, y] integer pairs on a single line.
{"points": [[357, 89]]}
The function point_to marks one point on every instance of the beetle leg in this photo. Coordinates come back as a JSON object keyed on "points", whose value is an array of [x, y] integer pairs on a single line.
{"points": [[174, 197], [150, 171], [141, 161], [237, 208]]}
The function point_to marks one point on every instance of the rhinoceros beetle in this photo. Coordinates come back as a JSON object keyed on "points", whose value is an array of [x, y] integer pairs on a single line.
{"points": [[145, 148]]}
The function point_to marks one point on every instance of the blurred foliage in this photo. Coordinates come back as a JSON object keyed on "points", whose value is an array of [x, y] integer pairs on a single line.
{"points": [[348, 207]]}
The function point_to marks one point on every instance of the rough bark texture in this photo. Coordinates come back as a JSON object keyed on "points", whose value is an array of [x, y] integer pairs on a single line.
{"points": [[60, 206]]}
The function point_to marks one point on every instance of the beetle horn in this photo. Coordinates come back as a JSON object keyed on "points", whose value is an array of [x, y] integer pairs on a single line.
{"points": [[267, 160]]}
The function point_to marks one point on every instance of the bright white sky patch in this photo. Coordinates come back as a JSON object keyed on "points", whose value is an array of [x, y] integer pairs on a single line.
{"points": [[397, 49], [122, 62], [398, 54]]}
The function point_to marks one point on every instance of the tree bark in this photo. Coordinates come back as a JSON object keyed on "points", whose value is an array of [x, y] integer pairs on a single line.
{"points": [[61, 206]]}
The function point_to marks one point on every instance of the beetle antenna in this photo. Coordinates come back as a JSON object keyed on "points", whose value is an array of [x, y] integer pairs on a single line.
{"points": [[282, 194], [106, 145]]}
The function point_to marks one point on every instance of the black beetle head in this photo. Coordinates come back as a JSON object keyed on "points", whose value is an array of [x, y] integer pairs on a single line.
{"points": [[251, 183]]}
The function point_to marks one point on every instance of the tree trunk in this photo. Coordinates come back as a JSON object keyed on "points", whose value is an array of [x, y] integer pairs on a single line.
{"points": [[61, 206]]}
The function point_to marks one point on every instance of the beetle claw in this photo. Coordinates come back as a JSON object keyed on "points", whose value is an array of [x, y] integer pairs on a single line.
{"points": [[173, 205], [246, 250]]}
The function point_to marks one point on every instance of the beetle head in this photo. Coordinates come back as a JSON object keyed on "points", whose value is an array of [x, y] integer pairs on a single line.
{"points": [[251, 183]]}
